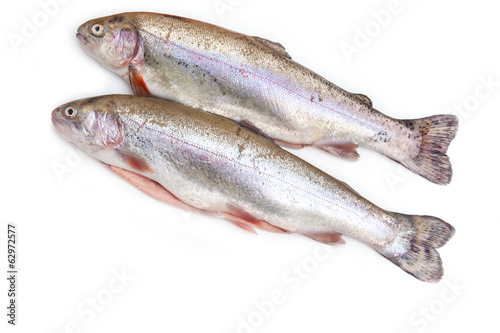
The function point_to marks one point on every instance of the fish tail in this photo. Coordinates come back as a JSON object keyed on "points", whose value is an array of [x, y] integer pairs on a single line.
{"points": [[432, 162], [422, 260]]}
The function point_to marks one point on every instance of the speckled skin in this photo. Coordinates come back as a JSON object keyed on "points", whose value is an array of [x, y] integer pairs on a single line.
{"points": [[212, 163], [237, 76]]}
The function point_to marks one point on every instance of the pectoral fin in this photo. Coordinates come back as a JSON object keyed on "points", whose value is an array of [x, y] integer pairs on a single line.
{"points": [[139, 87], [135, 162], [153, 189]]}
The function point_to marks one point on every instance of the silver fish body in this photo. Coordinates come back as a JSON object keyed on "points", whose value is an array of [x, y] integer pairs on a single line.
{"points": [[255, 82], [221, 168]]}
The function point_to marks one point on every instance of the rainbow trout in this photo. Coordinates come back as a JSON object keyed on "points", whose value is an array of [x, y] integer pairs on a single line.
{"points": [[209, 164], [256, 83]]}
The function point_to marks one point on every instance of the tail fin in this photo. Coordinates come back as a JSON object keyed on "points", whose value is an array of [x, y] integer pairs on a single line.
{"points": [[422, 260], [432, 162]]}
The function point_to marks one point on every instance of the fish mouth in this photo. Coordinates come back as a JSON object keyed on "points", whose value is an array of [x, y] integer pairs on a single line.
{"points": [[82, 38], [62, 126], [88, 44], [55, 118]]}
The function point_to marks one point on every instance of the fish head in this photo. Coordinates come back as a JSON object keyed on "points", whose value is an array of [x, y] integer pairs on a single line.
{"points": [[113, 41], [91, 124]]}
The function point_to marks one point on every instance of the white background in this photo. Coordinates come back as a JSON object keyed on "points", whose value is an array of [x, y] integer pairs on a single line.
{"points": [[190, 273]]}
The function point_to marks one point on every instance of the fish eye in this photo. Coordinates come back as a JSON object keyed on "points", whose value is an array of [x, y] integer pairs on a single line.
{"points": [[97, 29], [71, 111]]}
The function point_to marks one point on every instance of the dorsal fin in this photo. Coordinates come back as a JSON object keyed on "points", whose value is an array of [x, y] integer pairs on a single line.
{"points": [[364, 99], [273, 45]]}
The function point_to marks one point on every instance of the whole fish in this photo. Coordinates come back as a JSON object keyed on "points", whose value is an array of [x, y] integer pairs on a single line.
{"points": [[209, 164], [255, 82]]}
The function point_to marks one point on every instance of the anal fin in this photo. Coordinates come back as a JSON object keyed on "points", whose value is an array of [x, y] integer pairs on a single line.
{"points": [[343, 150], [330, 238]]}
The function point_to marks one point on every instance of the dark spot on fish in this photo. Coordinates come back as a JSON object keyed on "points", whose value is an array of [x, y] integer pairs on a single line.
{"points": [[428, 254], [410, 125], [116, 19]]}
